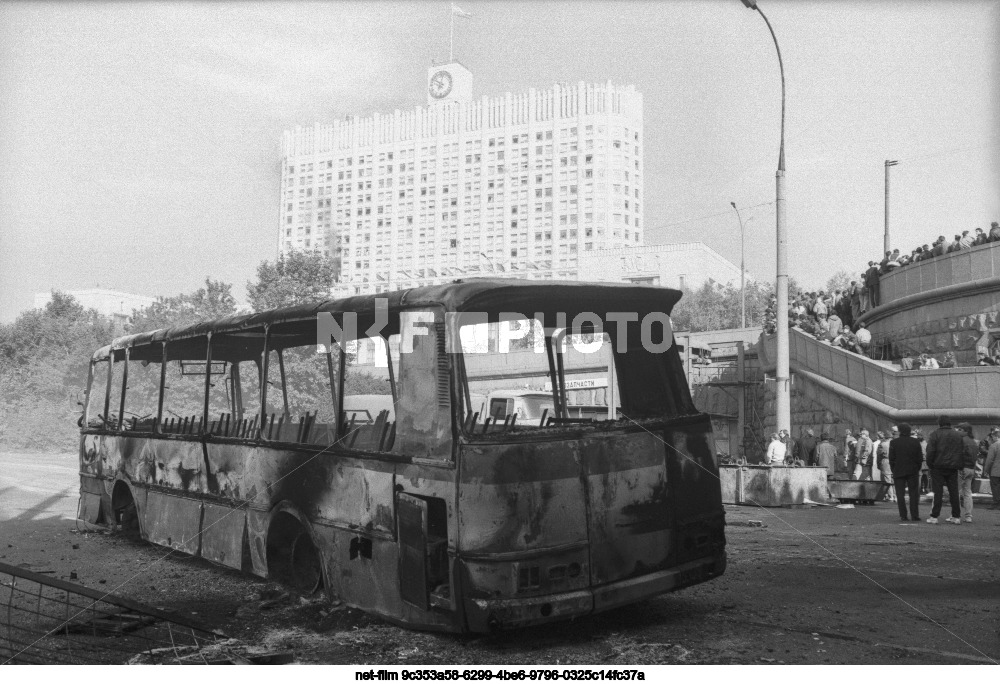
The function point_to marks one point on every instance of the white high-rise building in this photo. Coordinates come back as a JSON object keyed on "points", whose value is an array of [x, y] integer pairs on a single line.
{"points": [[518, 185]]}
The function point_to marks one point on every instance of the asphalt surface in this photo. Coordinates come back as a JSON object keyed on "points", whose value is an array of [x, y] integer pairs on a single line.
{"points": [[821, 585]]}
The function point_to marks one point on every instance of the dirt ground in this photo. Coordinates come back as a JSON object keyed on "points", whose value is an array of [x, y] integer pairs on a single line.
{"points": [[810, 586]]}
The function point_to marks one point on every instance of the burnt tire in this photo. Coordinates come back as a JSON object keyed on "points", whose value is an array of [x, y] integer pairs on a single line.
{"points": [[306, 572], [127, 518], [292, 558]]}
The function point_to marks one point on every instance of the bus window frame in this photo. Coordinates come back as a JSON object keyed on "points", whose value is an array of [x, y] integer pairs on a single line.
{"points": [[162, 388], [555, 340]]}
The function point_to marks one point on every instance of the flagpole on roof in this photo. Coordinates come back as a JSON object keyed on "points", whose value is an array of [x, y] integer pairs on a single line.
{"points": [[455, 9]]}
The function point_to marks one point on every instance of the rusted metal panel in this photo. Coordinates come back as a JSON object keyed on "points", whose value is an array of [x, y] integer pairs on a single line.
{"points": [[356, 497], [691, 469], [629, 513], [173, 521], [90, 455], [225, 475], [411, 513], [222, 534], [90, 507], [518, 497], [423, 411], [179, 464], [257, 522]]}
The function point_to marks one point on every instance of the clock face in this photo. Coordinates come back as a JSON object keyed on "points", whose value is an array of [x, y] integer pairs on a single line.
{"points": [[440, 84]]}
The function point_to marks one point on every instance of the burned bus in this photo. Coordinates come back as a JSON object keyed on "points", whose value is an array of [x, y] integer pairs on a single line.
{"points": [[245, 441]]}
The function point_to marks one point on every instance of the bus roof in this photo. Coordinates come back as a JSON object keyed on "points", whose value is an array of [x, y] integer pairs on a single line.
{"points": [[490, 296]]}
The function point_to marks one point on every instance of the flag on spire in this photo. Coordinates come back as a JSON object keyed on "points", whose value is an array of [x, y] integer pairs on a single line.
{"points": [[459, 12]]}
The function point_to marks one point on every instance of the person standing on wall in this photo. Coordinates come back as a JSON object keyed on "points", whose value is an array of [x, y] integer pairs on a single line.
{"points": [[968, 472], [945, 454], [905, 459]]}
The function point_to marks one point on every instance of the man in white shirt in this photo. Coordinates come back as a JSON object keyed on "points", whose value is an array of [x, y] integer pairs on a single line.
{"points": [[776, 451], [864, 337]]}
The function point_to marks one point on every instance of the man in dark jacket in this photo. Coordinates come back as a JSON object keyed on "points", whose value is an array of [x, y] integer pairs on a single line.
{"points": [[805, 449], [826, 455], [905, 458], [945, 453]]}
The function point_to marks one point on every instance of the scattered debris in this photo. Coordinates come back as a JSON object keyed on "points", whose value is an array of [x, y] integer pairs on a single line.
{"points": [[276, 601], [228, 652]]}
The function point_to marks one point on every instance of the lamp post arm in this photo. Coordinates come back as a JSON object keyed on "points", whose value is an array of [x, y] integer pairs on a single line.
{"points": [[781, 68]]}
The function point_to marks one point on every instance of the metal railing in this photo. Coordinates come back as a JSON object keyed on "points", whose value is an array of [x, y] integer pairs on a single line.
{"points": [[965, 388], [44, 620]]}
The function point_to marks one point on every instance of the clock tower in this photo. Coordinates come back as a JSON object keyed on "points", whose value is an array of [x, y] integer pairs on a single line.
{"points": [[450, 82]]}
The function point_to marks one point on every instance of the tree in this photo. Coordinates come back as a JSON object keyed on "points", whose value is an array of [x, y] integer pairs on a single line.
{"points": [[294, 278], [841, 280], [44, 358], [215, 300], [714, 306]]}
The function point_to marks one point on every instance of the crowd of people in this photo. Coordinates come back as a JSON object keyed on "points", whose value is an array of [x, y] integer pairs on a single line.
{"points": [[829, 318], [833, 316], [900, 456]]}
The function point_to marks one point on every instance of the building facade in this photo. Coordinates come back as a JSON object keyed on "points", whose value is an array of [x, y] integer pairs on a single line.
{"points": [[521, 185], [682, 265]]}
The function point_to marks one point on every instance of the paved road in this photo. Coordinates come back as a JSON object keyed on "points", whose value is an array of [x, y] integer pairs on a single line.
{"points": [[35, 486], [819, 585]]}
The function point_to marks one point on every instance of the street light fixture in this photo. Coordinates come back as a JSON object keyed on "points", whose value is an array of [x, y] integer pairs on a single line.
{"points": [[743, 269], [782, 390]]}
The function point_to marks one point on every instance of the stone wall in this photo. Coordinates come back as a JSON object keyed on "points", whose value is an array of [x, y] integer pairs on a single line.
{"points": [[949, 303]]}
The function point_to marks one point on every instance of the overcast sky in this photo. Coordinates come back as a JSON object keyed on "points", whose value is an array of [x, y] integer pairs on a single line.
{"points": [[140, 142]]}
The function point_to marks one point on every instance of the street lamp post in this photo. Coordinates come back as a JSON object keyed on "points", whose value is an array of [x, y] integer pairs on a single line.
{"points": [[885, 240], [743, 268], [782, 390]]}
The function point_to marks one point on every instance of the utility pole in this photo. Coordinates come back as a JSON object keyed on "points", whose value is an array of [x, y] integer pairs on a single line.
{"points": [[783, 385], [888, 163]]}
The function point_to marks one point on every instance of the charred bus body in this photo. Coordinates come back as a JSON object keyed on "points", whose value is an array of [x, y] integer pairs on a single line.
{"points": [[230, 440]]}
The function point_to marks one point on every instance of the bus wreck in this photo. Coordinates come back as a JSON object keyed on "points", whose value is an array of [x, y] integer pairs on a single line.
{"points": [[250, 442]]}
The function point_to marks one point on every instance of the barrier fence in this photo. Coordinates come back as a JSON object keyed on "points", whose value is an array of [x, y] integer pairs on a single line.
{"points": [[44, 620]]}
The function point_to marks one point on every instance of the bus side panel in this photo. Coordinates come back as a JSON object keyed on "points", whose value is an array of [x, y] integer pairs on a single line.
{"points": [[696, 492], [630, 513], [174, 463]]}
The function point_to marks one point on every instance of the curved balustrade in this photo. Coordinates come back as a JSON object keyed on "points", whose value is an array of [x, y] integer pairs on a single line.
{"points": [[966, 267], [972, 393]]}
